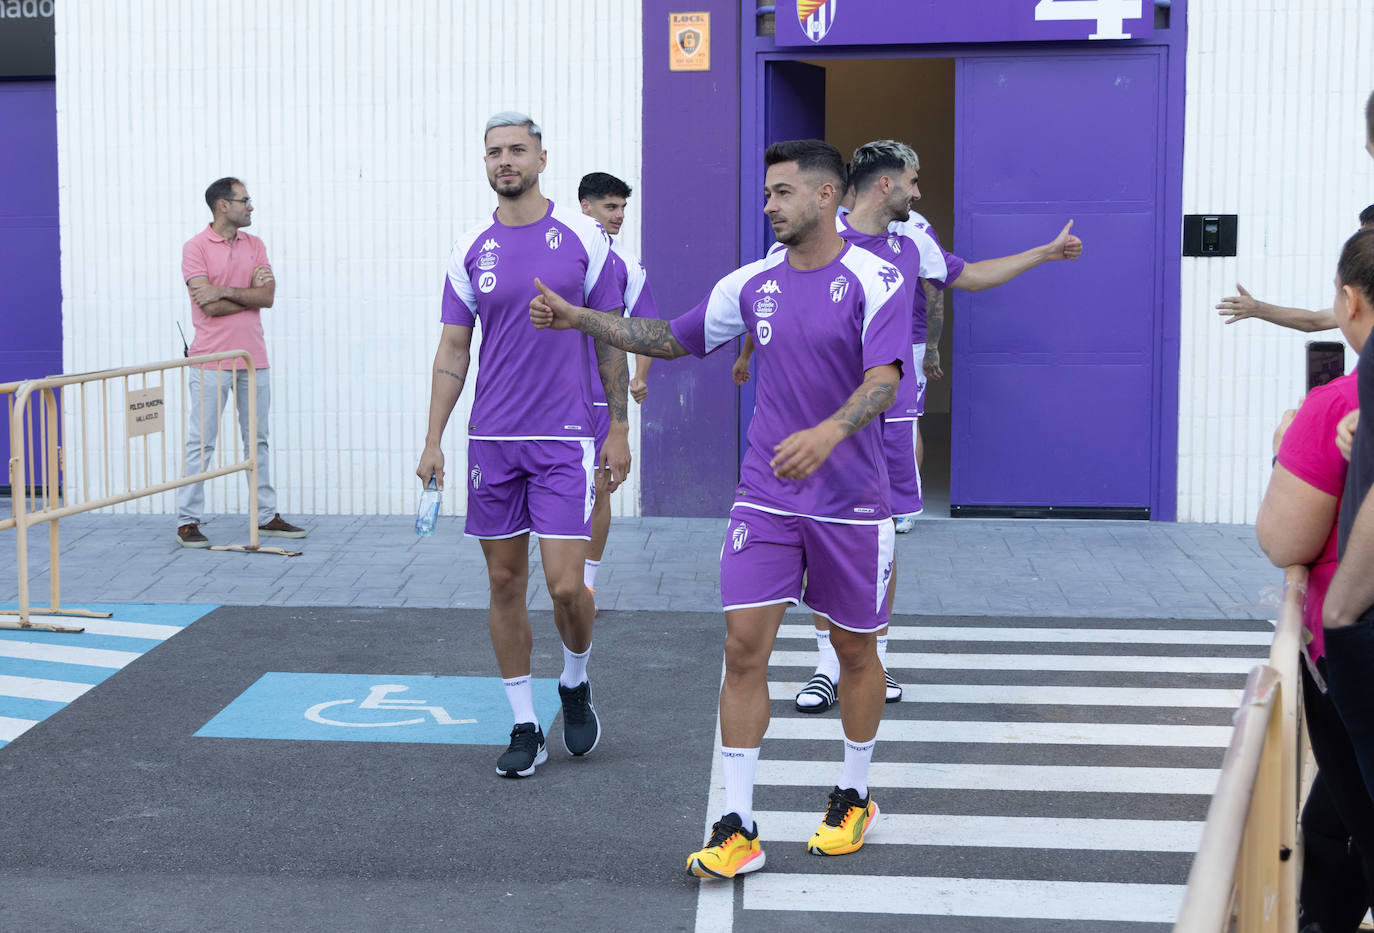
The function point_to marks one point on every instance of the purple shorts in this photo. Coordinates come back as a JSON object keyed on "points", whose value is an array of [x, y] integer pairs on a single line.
{"points": [[515, 487], [899, 449], [846, 566]]}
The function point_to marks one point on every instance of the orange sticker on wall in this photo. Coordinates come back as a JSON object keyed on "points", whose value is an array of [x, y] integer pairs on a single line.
{"points": [[689, 41]]}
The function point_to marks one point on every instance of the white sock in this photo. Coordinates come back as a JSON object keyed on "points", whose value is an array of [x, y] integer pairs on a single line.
{"points": [[882, 651], [520, 693], [589, 569], [828, 664], [574, 667], [856, 760], [738, 765]]}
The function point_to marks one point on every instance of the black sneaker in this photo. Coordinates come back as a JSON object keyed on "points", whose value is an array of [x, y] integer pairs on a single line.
{"points": [[581, 728], [526, 751]]}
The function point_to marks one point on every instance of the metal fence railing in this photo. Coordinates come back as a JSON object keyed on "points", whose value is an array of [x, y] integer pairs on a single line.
{"points": [[116, 422], [1245, 875]]}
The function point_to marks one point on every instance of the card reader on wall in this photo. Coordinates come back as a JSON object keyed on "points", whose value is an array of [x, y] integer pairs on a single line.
{"points": [[1209, 234]]}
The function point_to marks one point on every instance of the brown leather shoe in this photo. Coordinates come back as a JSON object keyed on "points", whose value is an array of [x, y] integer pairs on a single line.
{"points": [[280, 528], [189, 535]]}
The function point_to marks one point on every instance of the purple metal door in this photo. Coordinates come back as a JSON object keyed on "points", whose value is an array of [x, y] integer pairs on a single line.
{"points": [[1056, 400], [794, 108], [30, 274]]}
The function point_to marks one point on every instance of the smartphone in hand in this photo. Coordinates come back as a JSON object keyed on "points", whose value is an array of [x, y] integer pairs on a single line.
{"points": [[1325, 361]]}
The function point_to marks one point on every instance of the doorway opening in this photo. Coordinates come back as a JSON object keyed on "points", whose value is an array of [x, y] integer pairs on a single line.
{"points": [[911, 100]]}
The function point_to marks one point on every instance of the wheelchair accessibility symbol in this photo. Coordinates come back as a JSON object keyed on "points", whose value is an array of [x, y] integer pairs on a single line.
{"points": [[379, 697]]}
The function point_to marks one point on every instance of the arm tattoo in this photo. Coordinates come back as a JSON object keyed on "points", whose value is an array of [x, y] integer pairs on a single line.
{"points": [[615, 378], [449, 372], [646, 336], [868, 401], [935, 313]]}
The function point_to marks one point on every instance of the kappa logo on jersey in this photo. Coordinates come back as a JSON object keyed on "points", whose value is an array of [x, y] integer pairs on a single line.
{"points": [[768, 288], [739, 536], [763, 332], [889, 275], [894, 243], [765, 307], [487, 261], [489, 245], [476, 476], [838, 288], [816, 17], [486, 282], [553, 236]]}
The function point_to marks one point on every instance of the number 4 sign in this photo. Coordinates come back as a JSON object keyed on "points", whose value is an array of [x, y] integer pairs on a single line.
{"points": [[1110, 15]]}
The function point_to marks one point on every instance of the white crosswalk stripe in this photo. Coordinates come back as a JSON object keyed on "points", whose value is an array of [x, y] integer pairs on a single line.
{"points": [[40, 672], [1070, 790]]}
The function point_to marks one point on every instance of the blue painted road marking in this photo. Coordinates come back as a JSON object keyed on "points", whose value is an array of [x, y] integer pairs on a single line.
{"points": [[377, 708]]}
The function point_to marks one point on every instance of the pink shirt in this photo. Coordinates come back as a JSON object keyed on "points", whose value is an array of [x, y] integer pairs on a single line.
{"points": [[1309, 452], [226, 263]]}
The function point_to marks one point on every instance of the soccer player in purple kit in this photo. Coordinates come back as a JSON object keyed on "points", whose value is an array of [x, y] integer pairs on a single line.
{"points": [[530, 433], [832, 324], [603, 198], [884, 174]]}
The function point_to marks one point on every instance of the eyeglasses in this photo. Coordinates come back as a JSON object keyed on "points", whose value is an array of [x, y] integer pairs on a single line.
{"points": [[246, 202]]}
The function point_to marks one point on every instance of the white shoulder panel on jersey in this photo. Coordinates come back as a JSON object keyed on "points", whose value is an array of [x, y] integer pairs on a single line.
{"points": [[879, 279], [917, 229], [593, 238], [635, 276], [723, 319], [457, 273]]}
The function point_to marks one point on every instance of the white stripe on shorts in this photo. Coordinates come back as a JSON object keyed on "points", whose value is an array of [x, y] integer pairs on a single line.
{"points": [[887, 540]]}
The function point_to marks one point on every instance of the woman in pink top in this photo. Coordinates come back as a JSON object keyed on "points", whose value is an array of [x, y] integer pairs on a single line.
{"points": [[1297, 525]]}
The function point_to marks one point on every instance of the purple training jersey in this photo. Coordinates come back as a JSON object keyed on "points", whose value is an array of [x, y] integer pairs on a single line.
{"points": [[637, 300], [938, 267], [531, 384], [816, 333]]}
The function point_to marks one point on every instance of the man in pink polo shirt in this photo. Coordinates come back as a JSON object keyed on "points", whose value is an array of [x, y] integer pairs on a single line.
{"points": [[230, 280]]}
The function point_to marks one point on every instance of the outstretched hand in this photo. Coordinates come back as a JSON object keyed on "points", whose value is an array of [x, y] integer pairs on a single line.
{"points": [[1238, 307], [549, 309], [1066, 245]]}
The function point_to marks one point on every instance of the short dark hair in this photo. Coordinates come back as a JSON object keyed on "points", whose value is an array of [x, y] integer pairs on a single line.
{"points": [[598, 185], [1356, 265], [811, 155], [1367, 215], [220, 188]]}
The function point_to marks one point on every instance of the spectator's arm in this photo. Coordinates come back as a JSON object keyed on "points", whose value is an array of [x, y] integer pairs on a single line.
{"points": [[1239, 307], [1352, 588], [1294, 520], [260, 294]]}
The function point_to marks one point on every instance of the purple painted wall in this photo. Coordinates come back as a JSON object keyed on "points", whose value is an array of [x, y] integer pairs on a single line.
{"points": [[30, 273], [900, 22], [699, 129], [690, 192]]}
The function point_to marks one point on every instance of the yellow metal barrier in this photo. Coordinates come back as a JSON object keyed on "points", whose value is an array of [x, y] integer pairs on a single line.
{"points": [[129, 419], [1245, 874]]}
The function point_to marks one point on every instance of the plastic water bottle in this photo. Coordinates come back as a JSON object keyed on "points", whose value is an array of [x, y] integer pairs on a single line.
{"points": [[428, 513]]}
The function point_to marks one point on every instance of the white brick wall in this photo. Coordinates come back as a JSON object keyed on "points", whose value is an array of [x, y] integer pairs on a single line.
{"points": [[356, 125], [1274, 133]]}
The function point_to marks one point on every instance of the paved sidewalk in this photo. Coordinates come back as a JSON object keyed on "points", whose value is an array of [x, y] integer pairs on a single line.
{"points": [[945, 566]]}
